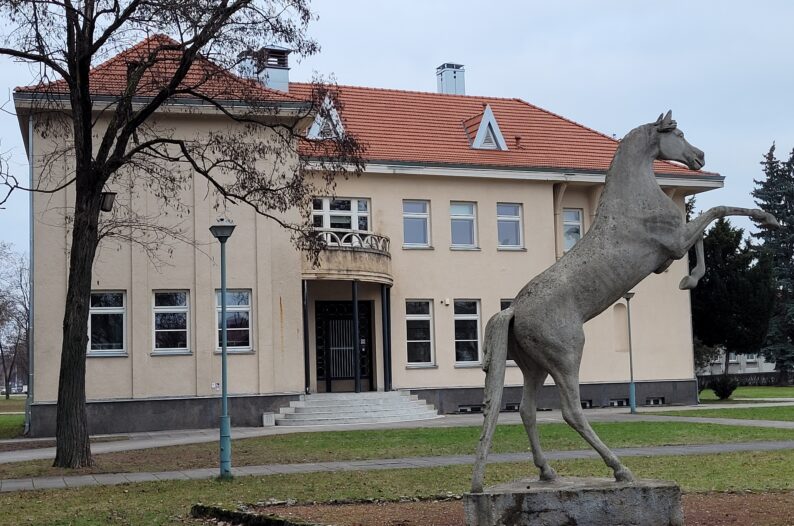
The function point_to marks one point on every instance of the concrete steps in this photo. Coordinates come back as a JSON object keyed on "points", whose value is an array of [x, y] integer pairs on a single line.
{"points": [[355, 408]]}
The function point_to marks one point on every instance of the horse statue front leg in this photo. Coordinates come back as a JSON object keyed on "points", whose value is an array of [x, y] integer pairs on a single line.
{"points": [[690, 282], [694, 230]]}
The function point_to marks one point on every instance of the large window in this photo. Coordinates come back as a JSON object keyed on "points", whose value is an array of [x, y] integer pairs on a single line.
{"points": [[419, 331], [467, 331], [571, 227], [463, 219], [416, 223], [171, 321], [508, 225], [107, 323], [238, 319], [341, 213]]}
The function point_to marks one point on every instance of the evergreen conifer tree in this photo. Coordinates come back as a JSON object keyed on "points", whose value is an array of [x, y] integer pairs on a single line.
{"points": [[732, 304], [775, 194]]}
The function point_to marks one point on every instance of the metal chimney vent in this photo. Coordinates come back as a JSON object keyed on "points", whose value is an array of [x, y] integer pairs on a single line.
{"points": [[269, 65], [451, 78]]}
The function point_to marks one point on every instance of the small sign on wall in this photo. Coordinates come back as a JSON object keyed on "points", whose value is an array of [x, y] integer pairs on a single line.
{"points": [[216, 386]]}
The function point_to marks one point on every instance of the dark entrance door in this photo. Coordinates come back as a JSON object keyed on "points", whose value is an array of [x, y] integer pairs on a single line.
{"points": [[336, 366]]}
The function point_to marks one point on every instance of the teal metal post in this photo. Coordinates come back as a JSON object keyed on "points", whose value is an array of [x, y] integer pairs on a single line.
{"points": [[226, 431], [632, 388]]}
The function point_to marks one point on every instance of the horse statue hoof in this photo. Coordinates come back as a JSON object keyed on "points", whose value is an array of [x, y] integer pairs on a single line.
{"points": [[770, 221], [688, 283], [624, 475], [548, 474]]}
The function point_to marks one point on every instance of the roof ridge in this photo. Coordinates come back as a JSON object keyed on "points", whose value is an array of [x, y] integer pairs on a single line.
{"points": [[588, 128], [433, 93], [201, 60]]}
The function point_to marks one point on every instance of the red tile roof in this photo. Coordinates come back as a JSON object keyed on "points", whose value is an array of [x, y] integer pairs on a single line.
{"points": [[421, 127], [204, 76], [395, 126]]}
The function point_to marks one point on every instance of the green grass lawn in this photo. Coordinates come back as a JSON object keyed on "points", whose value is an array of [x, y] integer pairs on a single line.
{"points": [[15, 404], [785, 413], [11, 426], [707, 395], [159, 503], [396, 443]]}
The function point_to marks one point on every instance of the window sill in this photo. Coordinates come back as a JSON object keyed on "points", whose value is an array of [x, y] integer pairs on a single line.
{"points": [[418, 247], [465, 249], [235, 351], [118, 354], [468, 365], [171, 353], [511, 249], [421, 366]]}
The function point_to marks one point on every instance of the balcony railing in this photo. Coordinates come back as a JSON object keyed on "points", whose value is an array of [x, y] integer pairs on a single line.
{"points": [[337, 238]]}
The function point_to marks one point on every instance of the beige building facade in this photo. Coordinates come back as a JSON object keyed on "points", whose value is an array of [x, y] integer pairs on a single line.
{"points": [[431, 248]]}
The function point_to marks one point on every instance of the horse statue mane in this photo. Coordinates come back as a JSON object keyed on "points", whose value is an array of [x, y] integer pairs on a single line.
{"points": [[638, 230]]}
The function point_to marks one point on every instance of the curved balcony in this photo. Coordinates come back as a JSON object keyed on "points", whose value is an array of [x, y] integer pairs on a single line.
{"points": [[351, 255]]}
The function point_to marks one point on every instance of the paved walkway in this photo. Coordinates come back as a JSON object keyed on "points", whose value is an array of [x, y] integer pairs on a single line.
{"points": [[135, 441], [366, 465]]}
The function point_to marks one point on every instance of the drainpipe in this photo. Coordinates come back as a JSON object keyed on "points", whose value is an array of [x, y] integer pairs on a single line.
{"points": [[29, 400], [558, 191], [306, 363]]}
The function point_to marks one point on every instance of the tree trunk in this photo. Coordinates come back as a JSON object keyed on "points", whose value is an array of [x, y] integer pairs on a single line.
{"points": [[73, 449], [726, 372]]}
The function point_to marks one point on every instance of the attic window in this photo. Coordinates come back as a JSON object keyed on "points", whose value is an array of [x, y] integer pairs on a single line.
{"points": [[489, 136], [327, 124], [489, 142], [326, 131]]}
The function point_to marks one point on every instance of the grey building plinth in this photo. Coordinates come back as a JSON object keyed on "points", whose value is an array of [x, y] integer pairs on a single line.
{"points": [[567, 501]]}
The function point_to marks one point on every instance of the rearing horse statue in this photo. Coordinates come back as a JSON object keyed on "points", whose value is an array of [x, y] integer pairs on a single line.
{"points": [[638, 230]]}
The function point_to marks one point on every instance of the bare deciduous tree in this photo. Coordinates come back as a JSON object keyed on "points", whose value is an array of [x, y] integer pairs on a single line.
{"points": [[109, 131], [14, 315]]}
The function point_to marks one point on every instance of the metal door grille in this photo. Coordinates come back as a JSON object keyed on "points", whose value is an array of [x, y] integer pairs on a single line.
{"points": [[342, 354]]}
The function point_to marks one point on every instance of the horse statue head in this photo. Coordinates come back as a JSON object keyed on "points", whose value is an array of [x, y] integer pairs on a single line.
{"points": [[673, 146]]}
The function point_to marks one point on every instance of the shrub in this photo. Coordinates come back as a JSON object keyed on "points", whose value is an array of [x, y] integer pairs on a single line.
{"points": [[723, 386]]}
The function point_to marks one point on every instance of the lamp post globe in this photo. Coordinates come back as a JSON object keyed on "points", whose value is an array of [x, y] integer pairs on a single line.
{"points": [[222, 231]]}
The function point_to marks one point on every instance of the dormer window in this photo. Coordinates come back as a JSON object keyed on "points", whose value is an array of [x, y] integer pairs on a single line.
{"points": [[327, 124], [487, 135]]}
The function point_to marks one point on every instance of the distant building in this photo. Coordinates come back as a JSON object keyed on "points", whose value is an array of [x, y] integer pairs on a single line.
{"points": [[464, 199], [740, 364]]}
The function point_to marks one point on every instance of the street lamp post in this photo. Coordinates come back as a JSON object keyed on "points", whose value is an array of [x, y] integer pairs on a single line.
{"points": [[222, 230], [632, 391]]}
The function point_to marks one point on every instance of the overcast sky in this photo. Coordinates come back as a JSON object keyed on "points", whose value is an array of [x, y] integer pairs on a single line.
{"points": [[725, 68]]}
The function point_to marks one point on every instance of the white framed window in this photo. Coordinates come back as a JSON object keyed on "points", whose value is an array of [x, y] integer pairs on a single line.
{"points": [[419, 331], [238, 320], [171, 322], [571, 227], [338, 213], [467, 331], [463, 224], [751, 357], [416, 223], [107, 324], [509, 226], [732, 358]]}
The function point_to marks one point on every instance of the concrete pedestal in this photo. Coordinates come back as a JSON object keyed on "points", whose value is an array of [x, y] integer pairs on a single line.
{"points": [[576, 501]]}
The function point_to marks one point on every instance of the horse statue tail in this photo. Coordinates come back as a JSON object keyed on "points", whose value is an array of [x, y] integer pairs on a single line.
{"points": [[495, 346]]}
